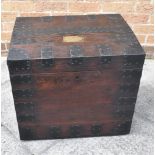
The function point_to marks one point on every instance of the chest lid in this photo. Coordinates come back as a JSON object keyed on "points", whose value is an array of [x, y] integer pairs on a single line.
{"points": [[54, 39], [61, 37]]}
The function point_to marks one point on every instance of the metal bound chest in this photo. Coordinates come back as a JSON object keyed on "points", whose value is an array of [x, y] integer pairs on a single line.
{"points": [[74, 76]]}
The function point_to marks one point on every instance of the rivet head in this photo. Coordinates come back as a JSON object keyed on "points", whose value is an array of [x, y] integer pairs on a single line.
{"points": [[96, 129]]}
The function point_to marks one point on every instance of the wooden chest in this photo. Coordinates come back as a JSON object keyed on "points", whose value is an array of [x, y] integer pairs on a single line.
{"points": [[74, 76]]}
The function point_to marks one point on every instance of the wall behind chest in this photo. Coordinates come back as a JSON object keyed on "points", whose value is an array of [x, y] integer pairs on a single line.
{"points": [[138, 14]]}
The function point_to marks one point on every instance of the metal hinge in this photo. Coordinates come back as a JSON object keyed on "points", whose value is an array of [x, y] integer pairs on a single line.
{"points": [[47, 59], [76, 55], [105, 53], [96, 129]]}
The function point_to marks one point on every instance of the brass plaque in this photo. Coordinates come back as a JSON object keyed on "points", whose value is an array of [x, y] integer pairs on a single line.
{"points": [[73, 39]]}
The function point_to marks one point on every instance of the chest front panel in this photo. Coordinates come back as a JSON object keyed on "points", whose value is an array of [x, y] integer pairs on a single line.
{"points": [[103, 97]]}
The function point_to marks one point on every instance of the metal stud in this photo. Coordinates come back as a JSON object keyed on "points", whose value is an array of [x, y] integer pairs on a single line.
{"points": [[96, 130], [126, 101], [75, 130], [23, 93], [55, 132], [104, 50], [47, 18], [24, 107], [123, 113], [76, 55], [91, 17], [25, 117], [26, 133], [106, 60], [46, 57], [122, 128]]}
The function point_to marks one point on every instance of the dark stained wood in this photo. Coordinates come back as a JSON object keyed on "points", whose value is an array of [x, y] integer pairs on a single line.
{"points": [[81, 88], [108, 128], [66, 80]]}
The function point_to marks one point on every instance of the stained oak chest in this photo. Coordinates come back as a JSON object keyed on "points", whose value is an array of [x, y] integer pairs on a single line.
{"points": [[74, 76]]}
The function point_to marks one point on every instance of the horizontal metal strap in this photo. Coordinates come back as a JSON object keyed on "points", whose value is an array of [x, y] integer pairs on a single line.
{"points": [[24, 107], [20, 79], [24, 93], [25, 117]]}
